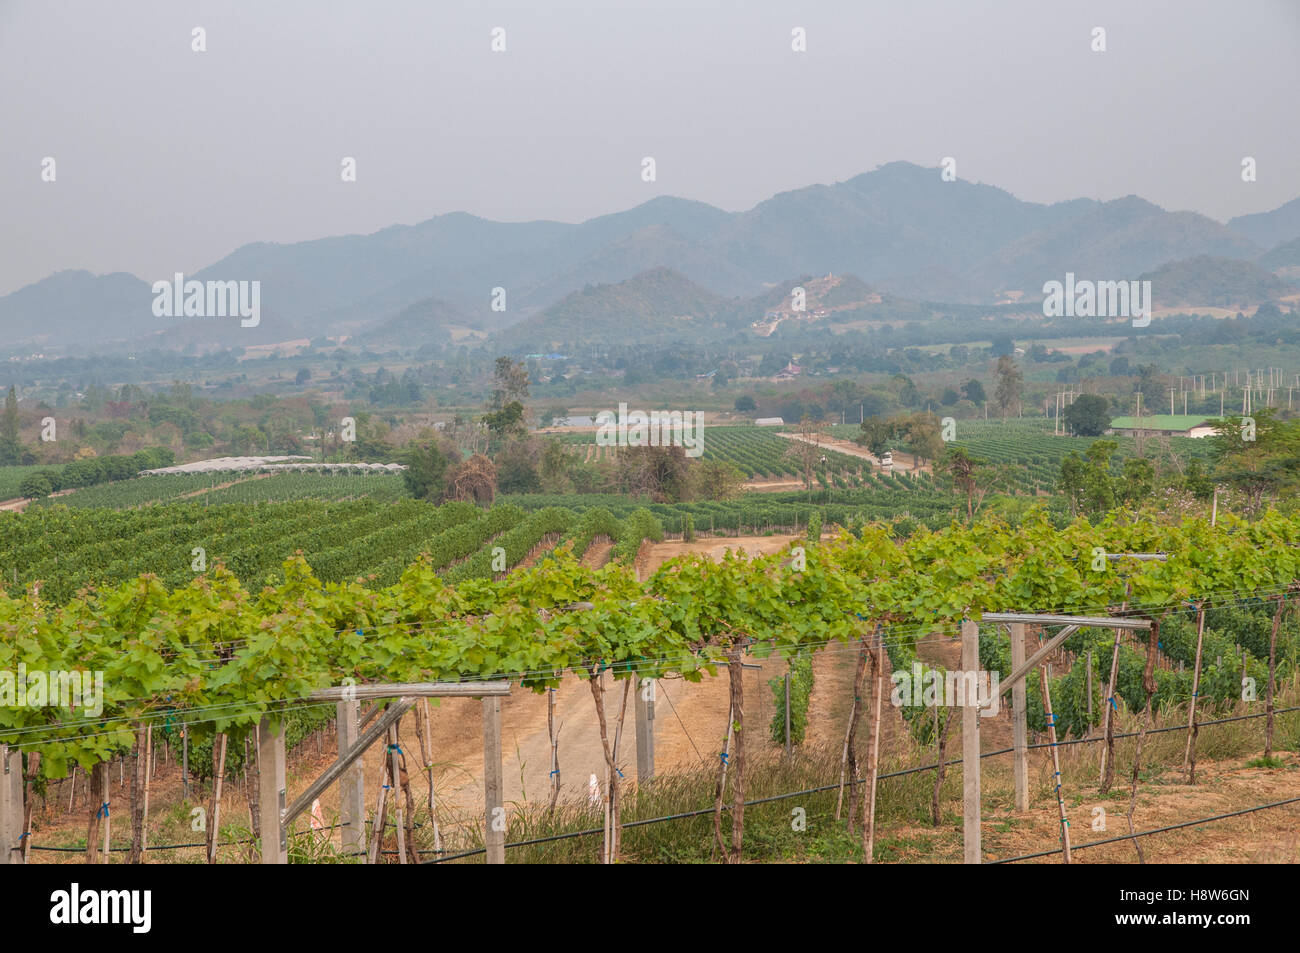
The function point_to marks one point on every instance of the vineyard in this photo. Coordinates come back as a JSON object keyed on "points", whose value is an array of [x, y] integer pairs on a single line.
{"points": [[226, 487], [757, 452], [222, 658], [1030, 447], [65, 550]]}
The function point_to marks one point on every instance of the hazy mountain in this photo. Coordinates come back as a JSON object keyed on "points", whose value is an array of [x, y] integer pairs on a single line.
{"points": [[900, 229], [657, 305], [78, 306], [1213, 282], [1108, 241], [1283, 258], [1267, 229], [427, 322]]}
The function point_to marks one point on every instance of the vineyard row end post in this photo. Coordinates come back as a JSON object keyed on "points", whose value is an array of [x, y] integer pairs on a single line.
{"points": [[1019, 724], [494, 837], [645, 730], [970, 746], [11, 805], [352, 786], [272, 790]]}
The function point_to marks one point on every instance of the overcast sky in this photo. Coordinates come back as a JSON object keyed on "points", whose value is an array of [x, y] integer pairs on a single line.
{"points": [[169, 159]]}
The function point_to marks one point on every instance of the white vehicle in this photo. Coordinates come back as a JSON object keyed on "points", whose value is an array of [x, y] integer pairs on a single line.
{"points": [[887, 460]]}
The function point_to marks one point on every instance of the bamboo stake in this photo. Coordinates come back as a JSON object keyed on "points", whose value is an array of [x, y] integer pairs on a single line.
{"points": [[218, 779], [397, 801], [1108, 752], [1193, 728], [381, 815], [1272, 669], [1043, 676], [873, 759]]}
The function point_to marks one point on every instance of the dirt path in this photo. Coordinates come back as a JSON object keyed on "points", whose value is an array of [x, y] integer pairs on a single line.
{"points": [[20, 503], [902, 461]]}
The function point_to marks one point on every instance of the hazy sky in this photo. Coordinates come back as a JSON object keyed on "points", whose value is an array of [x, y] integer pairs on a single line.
{"points": [[168, 159]]}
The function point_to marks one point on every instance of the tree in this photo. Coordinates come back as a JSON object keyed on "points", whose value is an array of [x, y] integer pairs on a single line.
{"points": [[1070, 482], [1009, 382], [965, 472], [973, 391], [517, 469], [1002, 345], [303, 375], [1259, 461], [11, 449], [877, 435], [426, 472], [1088, 416], [508, 422], [35, 486], [923, 436], [510, 378], [1098, 488], [1137, 480], [1151, 383], [746, 404], [716, 480], [807, 449], [660, 472]]}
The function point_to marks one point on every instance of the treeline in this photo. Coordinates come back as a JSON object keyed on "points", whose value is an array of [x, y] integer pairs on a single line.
{"points": [[92, 470]]}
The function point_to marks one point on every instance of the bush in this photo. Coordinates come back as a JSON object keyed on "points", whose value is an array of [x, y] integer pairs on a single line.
{"points": [[35, 486], [801, 685]]}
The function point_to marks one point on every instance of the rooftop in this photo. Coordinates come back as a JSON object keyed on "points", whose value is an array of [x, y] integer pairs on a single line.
{"points": [[1160, 422]]}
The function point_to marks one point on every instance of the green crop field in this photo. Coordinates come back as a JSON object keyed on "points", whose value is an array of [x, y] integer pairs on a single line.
{"points": [[1028, 445]]}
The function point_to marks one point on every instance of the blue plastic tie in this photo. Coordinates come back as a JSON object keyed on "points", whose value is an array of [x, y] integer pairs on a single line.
{"points": [[103, 810], [724, 757]]}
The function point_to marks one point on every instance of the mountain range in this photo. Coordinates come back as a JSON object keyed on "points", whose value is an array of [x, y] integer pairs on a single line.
{"points": [[899, 229]]}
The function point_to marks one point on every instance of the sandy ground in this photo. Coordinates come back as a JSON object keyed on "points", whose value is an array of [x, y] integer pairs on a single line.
{"points": [[902, 461]]}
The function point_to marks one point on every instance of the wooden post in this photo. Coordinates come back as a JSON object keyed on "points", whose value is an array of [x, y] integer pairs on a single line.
{"points": [[185, 760], [1189, 753], [11, 805], [1108, 752], [645, 730], [970, 746], [1019, 723], [787, 708], [396, 772], [1043, 678], [494, 837], [1272, 669], [272, 793], [1088, 730], [352, 785]]}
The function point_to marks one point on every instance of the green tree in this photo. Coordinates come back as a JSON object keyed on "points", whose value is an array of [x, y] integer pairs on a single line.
{"points": [[35, 486], [426, 472], [11, 449], [1258, 455], [973, 391], [877, 435], [745, 404], [1088, 416], [1137, 480], [1009, 381]]}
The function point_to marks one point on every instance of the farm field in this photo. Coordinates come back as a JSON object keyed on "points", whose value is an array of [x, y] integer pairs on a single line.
{"points": [[1029, 445], [757, 452]]}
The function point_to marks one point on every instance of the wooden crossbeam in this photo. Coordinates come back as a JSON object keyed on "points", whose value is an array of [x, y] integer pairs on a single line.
{"points": [[340, 693]]}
